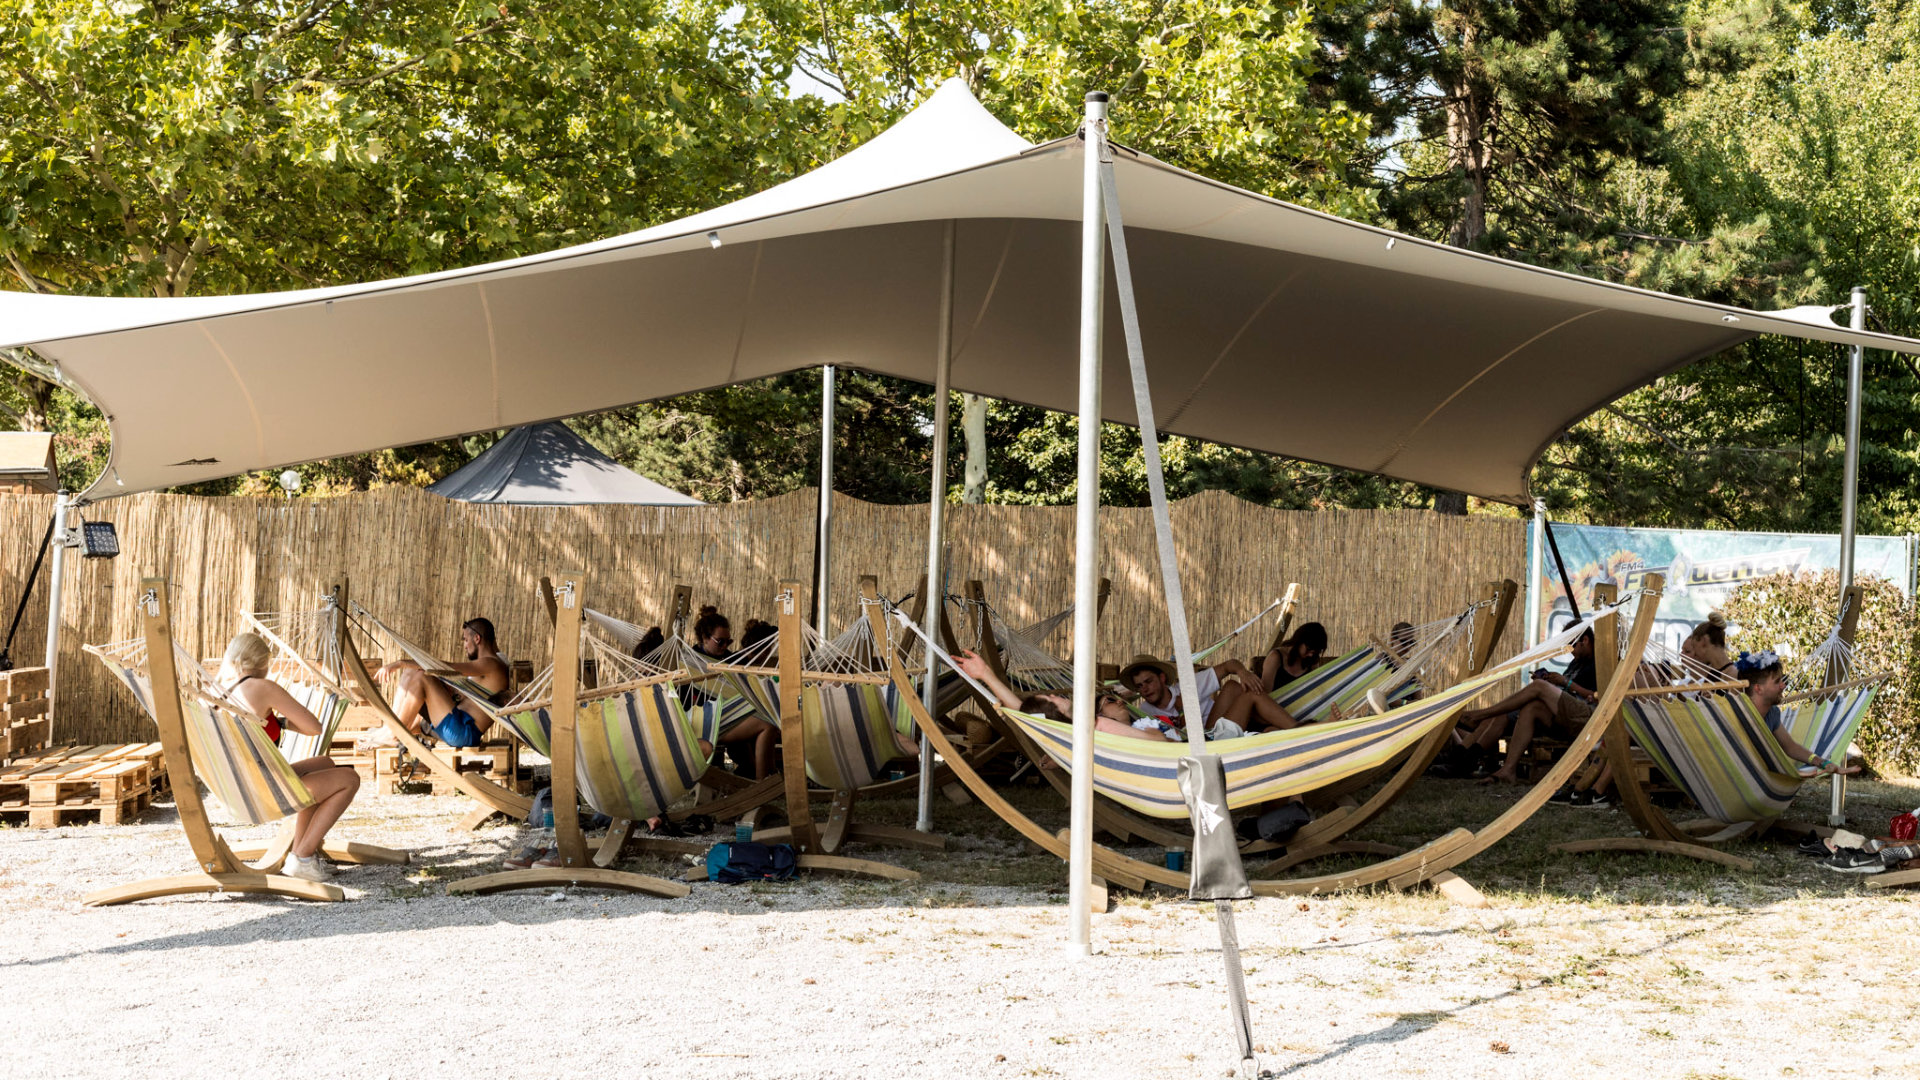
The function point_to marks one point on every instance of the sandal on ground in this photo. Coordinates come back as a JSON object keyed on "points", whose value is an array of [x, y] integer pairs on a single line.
{"points": [[526, 859], [668, 827]]}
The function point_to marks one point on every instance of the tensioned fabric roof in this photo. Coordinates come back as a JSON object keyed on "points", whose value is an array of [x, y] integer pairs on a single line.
{"points": [[1266, 325], [550, 465]]}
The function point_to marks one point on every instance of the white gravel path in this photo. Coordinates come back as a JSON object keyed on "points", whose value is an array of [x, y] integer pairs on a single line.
{"points": [[848, 979]]}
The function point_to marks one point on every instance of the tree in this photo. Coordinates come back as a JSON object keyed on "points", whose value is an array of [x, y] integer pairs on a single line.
{"points": [[1787, 182], [203, 147]]}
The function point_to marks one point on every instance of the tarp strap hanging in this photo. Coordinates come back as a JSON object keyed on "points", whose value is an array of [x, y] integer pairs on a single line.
{"points": [[1566, 580], [1156, 480]]}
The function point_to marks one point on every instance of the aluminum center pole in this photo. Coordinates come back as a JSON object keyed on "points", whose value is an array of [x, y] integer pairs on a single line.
{"points": [[62, 502], [822, 590], [1086, 532], [937, 517], [1536, 569], [1849, 506], [1850, 489]]}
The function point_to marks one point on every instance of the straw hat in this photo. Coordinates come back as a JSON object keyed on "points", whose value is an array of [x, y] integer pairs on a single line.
{"points": [[1143, 660]]}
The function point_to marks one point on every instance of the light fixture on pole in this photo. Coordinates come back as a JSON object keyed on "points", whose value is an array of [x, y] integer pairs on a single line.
{"points": [[290, 482]]}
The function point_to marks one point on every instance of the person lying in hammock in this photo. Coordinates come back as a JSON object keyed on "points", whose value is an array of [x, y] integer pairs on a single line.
{"points": [[1551, 700], [1766, 685], [428, 706], [243, 675], [1295, 657], [1230, 709], [1110, 716]]}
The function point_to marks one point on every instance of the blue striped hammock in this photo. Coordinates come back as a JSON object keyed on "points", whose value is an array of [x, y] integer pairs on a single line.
{"points": [[1715, 747]]}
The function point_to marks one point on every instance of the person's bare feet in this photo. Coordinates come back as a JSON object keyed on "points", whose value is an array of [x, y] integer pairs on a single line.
{"points": [[1501, 776]]}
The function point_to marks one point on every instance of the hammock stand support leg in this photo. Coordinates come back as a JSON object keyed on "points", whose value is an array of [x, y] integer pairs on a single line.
{"points": [[219, 869]]}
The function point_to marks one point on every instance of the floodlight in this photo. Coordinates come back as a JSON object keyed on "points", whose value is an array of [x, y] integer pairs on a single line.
{"points": [[99, 539]]}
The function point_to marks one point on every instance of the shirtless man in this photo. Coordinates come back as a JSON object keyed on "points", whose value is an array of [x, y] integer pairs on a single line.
{"points": [[429, 706], [1229, 711]]}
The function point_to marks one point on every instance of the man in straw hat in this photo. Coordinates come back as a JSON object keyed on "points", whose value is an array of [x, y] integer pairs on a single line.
{"points": [[1229, 710]]}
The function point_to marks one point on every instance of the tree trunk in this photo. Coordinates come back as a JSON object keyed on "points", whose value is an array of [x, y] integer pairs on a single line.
{"points": [[1469, 120], [973, 425]]}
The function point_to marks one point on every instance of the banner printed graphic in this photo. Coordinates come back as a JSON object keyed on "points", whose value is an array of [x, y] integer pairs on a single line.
{"points": [[1702, 568]]}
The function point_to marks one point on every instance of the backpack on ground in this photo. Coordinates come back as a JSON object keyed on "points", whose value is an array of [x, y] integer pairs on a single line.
{"points": [[733, 863]]}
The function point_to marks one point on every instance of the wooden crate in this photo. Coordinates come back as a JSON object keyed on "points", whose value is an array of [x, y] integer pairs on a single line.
{"points": [[62, 792], [496, 762], [25, 726], [149, 753]]}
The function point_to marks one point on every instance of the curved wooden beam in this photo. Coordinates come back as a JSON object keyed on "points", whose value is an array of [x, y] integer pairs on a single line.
{"points": [[1642, 845], [560, 877], [269, 884]]}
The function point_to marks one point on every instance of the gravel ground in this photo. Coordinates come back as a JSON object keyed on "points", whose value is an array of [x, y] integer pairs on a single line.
{"points": [[828, 978]]}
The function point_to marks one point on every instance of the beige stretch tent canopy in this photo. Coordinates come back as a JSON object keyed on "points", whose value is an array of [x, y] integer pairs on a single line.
{"points": [[1266, 325]]}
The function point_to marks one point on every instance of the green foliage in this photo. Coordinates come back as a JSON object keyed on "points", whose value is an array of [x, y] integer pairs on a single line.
{"points": [[1788, 181], [1794, 613]]}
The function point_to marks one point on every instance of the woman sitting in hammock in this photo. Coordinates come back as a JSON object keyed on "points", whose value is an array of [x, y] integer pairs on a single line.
{"points": [[713, 638], [243, 675], [1766, 685], [1111, 716], [1708, 645], [1295, 657]]}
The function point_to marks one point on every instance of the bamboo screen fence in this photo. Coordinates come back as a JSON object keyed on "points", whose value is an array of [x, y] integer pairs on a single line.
{"points": [[426, 564]]}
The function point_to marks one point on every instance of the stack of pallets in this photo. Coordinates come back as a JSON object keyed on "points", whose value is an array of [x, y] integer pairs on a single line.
{"points": [[25, 727], [108, 784]]}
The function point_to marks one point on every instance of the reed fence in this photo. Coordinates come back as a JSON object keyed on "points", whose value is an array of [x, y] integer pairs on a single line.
{"points": [[426, 564]]}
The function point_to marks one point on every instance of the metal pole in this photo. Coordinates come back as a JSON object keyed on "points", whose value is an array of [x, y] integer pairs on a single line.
{"points": [[1850, 505], [937, 516], [1086, 531], [825, 546], [1850, 489], [1536, 569], [62, 502]]}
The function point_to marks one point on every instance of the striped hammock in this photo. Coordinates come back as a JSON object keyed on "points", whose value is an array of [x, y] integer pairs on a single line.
{"points": [[1719, 751], [848, 727], [636, 753], [1343, 681], [1143, 774], [228, 748], [723, 707], [307, 663]]}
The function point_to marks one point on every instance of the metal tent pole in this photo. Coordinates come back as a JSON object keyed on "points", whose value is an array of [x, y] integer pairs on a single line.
{"points": [[824, 547], [62, 503], [1850, 505], [937, 516], [1086, 532], [1536, 569]]}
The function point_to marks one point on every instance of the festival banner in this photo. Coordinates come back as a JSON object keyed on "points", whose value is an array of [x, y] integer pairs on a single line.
{"points": [[1702, 568]]}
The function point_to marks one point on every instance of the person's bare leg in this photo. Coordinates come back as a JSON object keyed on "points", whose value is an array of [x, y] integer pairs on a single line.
{"points": [[1223, 702], [410, 698], [440, 700], [1524, 725], [763, 746], [1258, 711], [747, 731], [1535, 690], [333, 787]]}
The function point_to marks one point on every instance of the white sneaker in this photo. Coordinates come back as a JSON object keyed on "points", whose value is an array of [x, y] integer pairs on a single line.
{"points": [[308, 869]]}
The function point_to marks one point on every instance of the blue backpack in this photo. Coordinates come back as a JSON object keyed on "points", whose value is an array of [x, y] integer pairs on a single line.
{"points": [[733, 863]]}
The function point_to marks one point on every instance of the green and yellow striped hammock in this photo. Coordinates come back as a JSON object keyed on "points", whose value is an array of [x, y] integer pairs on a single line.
{"points": [[637, 748], [227, 745], [1715, 747], [308, 664], [1143, 774]]}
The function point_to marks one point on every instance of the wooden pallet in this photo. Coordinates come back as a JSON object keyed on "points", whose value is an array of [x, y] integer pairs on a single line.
{"points": [[25, 726], [148, 753], [497, 762], [54, 793]]}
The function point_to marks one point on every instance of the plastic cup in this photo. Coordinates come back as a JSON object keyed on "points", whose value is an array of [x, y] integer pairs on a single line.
{"points": [[546, 819], [742, 832], [1176, 859]]}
